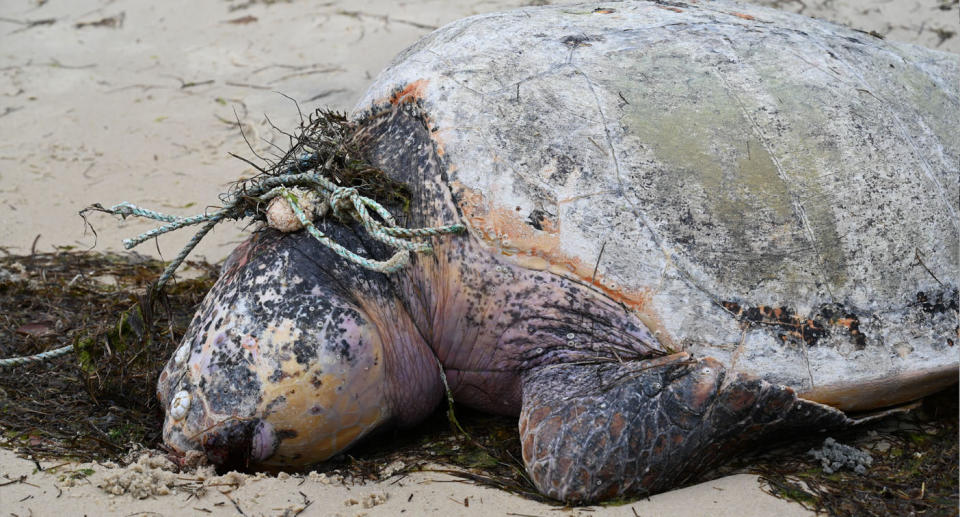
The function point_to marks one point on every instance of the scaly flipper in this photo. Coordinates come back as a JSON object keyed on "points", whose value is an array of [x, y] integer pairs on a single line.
{"points": [[597, 431]]}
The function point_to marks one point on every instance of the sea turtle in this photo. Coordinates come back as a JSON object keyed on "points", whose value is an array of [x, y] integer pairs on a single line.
{"points": [[691, 226]]}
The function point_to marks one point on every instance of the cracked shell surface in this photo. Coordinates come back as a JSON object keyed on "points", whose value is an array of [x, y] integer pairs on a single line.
{"points": [[771, 190]]}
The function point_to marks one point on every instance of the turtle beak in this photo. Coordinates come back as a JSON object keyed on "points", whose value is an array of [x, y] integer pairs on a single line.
{"points": [[231, 445], [196, 423], [238, 445]]}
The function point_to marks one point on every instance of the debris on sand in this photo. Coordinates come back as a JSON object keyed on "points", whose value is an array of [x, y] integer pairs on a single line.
{"points": [[834, 456]]}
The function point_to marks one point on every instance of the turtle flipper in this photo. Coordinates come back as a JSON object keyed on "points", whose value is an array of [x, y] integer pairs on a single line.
{"points": [[596, 431]]}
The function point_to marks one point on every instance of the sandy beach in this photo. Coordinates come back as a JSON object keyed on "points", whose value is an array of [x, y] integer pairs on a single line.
{"points": [[103, 101]]}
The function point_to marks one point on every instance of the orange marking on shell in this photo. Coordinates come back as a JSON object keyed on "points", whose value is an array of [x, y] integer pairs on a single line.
{"points": [[506, 231], [410, 93], [674, 9], [744, 16], [536, 249], [846, 322]]}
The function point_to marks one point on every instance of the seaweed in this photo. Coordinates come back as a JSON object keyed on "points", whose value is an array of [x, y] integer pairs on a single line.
{"points": [[94, 403], [327, 141], [914, 469]]}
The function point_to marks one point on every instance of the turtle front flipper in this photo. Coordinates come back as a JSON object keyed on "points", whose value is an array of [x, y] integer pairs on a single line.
{"points": [[596, 431]]}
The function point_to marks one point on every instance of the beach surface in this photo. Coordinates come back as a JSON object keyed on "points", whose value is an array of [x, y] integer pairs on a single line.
{"points": [[106, 101]]}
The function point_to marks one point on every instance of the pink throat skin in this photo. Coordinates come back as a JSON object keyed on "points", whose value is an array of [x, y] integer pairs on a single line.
{"points": [[487, 322]]}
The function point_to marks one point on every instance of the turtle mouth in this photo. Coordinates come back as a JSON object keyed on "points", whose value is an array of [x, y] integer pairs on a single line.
{"points": [[234, 444], [228, 446], [190, 430]]}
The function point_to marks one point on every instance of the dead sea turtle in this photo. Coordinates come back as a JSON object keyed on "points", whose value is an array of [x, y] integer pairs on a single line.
{"points": [[691, 226]]}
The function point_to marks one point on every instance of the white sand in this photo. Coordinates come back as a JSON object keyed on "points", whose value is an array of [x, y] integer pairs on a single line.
{"points": [[144, 112]]}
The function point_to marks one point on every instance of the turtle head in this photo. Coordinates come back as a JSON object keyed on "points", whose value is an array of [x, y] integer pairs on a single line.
{"points": [[285, 363]]}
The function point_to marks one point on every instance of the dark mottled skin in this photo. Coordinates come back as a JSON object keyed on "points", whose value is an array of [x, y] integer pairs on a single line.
{"points": [[605, 410], [648, 429], [633, 429], [239, 311]]}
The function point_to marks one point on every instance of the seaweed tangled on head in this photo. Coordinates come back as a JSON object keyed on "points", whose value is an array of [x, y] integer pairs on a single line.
{"points": [[323, 168], [328, 141]]}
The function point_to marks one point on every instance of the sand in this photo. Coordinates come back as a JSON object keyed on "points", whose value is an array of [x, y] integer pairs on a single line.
{"points": [[121, 100]]}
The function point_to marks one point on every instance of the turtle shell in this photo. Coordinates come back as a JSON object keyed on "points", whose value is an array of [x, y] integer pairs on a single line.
{"points": [[771, 190]]}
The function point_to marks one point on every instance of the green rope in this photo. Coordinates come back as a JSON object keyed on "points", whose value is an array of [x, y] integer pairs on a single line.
{"points": [[344, 202], [124, 209], [398, 261], [36, 358]]}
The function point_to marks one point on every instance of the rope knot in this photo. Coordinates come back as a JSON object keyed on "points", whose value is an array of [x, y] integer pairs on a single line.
{"points": [[342, 200]]}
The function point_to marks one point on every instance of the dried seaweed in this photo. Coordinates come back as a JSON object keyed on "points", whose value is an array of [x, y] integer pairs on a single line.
{"points": [[327, 141], [914, 470], [91, 404]]}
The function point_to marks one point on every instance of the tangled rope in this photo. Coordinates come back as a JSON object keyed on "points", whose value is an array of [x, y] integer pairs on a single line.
{"points": [[326, 158], [325, 143], [344, 203]]}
